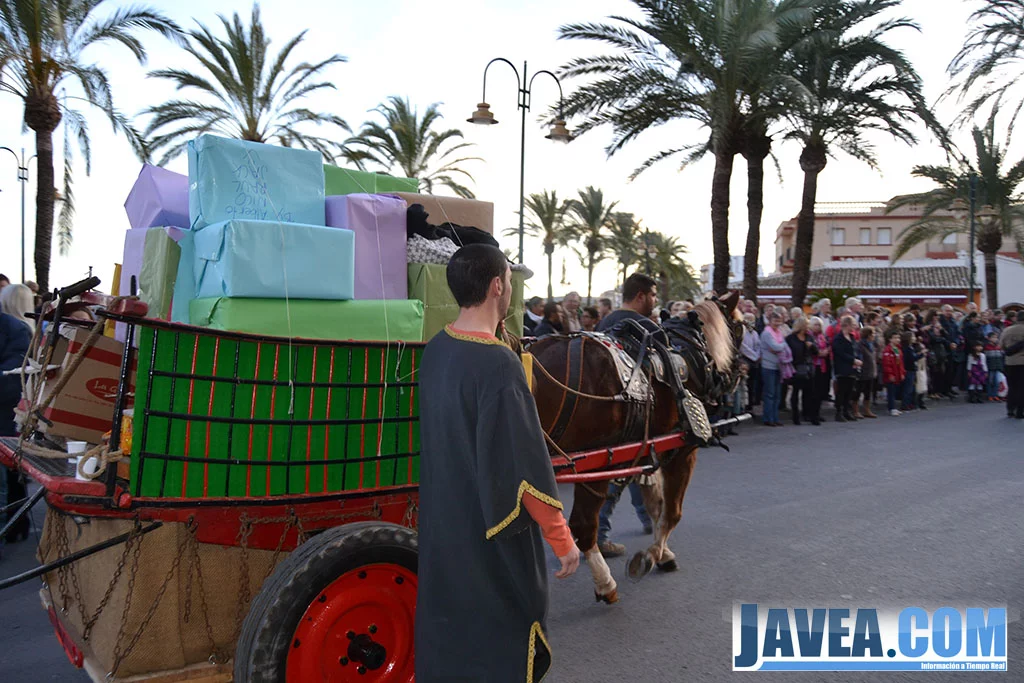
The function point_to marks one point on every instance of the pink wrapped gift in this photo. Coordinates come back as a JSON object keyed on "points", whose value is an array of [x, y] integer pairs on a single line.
{"points": [[379, 224], [159, 198]]}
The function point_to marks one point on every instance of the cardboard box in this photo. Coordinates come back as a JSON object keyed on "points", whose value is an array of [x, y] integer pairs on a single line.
{"points": [[342, 181], [429, 284], [467, 212], [84, 409], [150, 256]]}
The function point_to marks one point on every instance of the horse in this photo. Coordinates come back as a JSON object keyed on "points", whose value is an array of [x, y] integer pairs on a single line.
{"points": [[588, 423]]}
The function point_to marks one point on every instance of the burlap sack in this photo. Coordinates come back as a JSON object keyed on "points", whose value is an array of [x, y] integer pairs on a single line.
{"points": [[170, 629]]}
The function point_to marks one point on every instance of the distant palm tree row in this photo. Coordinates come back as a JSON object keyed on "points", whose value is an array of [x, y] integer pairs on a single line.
{"points": [[239, 89], [589, 225]]}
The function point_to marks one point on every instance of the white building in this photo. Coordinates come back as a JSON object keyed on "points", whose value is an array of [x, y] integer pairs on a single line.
{"points": [[707, 273]]}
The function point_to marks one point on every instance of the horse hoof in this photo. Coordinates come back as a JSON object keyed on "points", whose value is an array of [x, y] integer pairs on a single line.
{"points": [[639, 566], [609, 599], [669, 566]]}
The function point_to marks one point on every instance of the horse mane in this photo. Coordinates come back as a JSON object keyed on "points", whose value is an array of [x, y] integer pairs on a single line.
{"points": [[716, 331]]}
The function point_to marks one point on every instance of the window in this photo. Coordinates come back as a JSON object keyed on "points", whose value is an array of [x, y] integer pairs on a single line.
{"points": [[838, 237], [885, 236], [789, 253], [949, 239], [865, 236]]}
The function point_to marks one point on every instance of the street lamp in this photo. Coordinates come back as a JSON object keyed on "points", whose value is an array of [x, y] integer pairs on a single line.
{"points": [[559, 133], [987, 217], [23, 179]]}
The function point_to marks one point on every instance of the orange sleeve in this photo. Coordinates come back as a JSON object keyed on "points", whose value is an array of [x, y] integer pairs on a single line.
{"points": [[552, 525]]}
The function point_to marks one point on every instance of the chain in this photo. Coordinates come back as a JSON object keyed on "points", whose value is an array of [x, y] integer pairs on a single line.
{"points": [[120, 654], [244, 589], [129, 544], [215, 656], [412, 511], [187, 613], [62, 572]]}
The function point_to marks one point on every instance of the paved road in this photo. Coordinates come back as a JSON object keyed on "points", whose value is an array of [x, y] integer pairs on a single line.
{"points": [[923, 508]]}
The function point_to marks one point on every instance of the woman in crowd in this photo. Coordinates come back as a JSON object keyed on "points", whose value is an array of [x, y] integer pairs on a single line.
{"points": [[773, 344], [935, 340], [995, 359], [910, 358], [868, 374], [893, 370], [15, 336], [804, 350], [750, 352], [847, 363], [821, 379]]}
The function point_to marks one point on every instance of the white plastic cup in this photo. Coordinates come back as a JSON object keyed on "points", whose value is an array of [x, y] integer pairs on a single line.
{"points": [[76, 447], [89, 468]]}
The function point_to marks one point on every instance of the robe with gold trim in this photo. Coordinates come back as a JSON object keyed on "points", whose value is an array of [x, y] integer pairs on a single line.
{"points": [[482, 592]]}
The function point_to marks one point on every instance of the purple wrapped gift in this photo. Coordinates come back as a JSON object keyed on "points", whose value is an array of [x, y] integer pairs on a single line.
{"points": [[379, 224], [159, 198]]}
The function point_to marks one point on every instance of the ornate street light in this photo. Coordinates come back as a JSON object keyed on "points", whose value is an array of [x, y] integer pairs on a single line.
{"points": [[559, 133]]}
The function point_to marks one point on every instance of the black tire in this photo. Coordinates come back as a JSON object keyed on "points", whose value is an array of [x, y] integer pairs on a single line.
{"points": [[266, 636]]}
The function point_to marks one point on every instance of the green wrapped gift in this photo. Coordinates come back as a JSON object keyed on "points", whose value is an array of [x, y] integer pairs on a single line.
{"points": [[346, 181], [160, 257], [429, 284], [362, 320]]}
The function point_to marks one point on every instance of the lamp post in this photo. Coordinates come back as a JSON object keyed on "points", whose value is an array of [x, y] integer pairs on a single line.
{"points": [[987, 217], [559, 133], [23, 179]]}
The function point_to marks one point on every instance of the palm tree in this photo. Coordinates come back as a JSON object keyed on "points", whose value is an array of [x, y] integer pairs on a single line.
{"points": [[624, 241], [996, 187], [676, 278], [854, 83], [41, 52], [689, 59], [590, 217], [243, 92], [547, 221], [407, 143], [988, 62]]}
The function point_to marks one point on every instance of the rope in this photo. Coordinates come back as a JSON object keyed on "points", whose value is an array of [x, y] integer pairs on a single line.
{"points": [[101, 453], [615, 398]]}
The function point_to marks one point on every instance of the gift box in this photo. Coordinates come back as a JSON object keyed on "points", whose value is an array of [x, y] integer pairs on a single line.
{"points": [[341, 181], [265, 259], [468, 212], [429, 284], [393, 320], [379, 226], [158, 198], [236, 179], [151, 257]]}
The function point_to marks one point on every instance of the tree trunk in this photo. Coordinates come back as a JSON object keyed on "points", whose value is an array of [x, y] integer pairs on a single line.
{"points": [[42, 115], [755, 151], [991, 284], [590, 275], [720, 218], [549, 249], [812, 163]]}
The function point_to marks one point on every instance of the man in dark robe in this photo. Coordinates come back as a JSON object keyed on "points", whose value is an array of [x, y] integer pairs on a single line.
{"points": [[487, 495]]}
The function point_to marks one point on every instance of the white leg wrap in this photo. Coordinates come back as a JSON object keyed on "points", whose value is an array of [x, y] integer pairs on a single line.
{"points": [[603, 580]]}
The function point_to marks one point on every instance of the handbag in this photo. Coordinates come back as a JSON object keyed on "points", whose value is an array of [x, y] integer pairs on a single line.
{"points": [[802, 370]]}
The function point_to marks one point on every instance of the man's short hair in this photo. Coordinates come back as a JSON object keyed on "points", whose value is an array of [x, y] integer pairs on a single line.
{"points": [[637, 284], [592, 312], [471, 270], [4, 278], [604, 301], [533, 301]]}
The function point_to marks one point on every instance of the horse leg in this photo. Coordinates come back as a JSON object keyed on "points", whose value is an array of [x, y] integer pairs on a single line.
{"points": [[676, 470], [583, 521]]}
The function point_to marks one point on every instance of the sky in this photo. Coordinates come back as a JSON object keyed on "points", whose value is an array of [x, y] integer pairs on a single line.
{"points": [[436, 52]]}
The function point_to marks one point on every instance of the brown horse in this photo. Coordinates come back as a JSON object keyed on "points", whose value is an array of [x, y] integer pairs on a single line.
{"points": [[593, 424]]}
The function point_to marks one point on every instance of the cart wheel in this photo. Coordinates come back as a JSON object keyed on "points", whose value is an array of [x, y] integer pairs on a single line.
{"points": [[339, 608]]}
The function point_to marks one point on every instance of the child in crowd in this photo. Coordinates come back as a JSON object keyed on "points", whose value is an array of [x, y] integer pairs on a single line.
{"points": [[893, 371], [921, 377], [995, 359], [908, 343], [977, 373]]}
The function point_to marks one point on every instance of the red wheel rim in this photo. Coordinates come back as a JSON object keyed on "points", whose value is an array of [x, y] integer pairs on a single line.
{"points": [[359, 628]]}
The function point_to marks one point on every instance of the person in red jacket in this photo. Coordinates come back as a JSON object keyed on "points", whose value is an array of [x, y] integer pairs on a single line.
{"points": [[893, 371]]}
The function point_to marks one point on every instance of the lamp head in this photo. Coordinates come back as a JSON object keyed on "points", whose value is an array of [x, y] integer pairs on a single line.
{"points": [[959, 208], [987, 215], [482, 116], [559, 133]]}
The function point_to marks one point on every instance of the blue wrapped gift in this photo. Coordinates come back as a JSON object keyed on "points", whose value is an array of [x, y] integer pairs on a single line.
{"points": [[235, 179], [271, 260]]}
